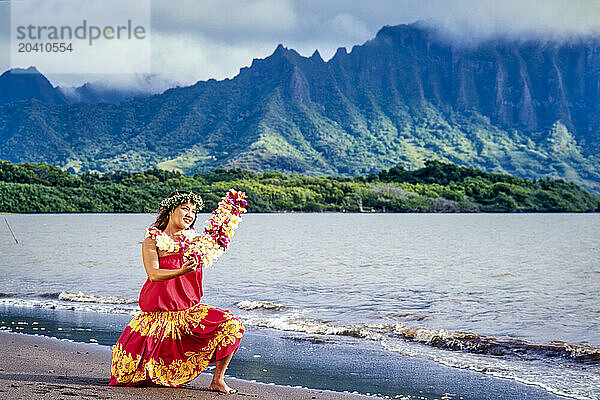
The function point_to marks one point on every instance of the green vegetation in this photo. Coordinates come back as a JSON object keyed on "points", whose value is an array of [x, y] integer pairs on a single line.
{"points": [[438, 187], [400, 99]]}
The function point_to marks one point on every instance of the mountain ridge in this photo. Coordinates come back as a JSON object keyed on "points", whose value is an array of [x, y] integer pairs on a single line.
{"points": [[20, 84], [28, 83], [531, 109]]}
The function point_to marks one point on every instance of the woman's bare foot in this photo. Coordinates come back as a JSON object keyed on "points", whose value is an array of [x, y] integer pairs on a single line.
{"points": [[218, 381], [221, 387]]}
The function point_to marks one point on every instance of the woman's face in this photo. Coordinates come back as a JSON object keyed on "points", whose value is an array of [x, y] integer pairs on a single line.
{"points": [[184, 215]]}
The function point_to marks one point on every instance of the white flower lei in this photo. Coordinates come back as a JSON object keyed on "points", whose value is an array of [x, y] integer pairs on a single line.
{"points": [[166, 243], [216, 235]]}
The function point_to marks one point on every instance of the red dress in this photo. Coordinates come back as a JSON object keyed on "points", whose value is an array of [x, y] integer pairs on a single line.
{"points": [[175, 337]]}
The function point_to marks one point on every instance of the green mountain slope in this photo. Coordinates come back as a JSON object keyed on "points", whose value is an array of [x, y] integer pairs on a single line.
{"points": [[531, 109]]}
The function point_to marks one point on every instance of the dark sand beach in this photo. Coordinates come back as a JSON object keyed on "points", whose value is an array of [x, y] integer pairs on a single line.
{"points": [[36, 367]]}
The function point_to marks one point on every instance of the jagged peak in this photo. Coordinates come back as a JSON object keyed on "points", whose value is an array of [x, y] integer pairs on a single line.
{"points": [[316, 56], [31, 70], [282, 51], [418, 28], [26, 74], [28, 84], [340, 52]]}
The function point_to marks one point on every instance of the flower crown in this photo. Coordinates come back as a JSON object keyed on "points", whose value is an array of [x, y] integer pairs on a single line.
{"points": [[181, 198]]}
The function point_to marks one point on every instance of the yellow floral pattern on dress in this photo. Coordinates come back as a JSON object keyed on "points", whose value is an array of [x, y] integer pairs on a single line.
{"points": [[124, 365], [177, 372], [129, 369], [227, 334], [169, 324]]}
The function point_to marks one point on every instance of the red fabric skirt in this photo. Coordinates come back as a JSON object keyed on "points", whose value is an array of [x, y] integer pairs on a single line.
{"points": [[173, 346]]}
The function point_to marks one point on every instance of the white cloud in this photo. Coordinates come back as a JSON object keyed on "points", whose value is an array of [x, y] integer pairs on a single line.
{"points": [[481, 19], [226, 19], [350, 26], [196, 57], [200, 39], [79, 26]]}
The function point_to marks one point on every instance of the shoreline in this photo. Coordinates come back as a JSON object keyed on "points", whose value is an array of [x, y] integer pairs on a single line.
{"points": [[42, 367], [37, 366]]}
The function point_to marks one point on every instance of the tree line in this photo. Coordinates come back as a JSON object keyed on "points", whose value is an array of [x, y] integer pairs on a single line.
{"points": [[437, 187]]}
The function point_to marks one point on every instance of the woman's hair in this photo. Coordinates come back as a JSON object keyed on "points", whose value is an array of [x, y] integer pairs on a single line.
{"points": [[162, 220], [174, 200]]}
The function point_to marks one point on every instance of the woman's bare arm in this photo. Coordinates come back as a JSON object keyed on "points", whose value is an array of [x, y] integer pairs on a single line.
{"points": [[150, 259]]}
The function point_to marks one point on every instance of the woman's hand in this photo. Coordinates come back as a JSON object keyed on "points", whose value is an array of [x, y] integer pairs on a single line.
{"points": [[189, 266], [152, 266]]}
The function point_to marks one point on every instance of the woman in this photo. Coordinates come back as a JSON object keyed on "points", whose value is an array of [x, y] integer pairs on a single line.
{"points": [[176, 337]]}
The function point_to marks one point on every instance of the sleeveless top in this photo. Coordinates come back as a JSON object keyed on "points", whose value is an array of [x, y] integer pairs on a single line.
{"points": [[175, 294]]}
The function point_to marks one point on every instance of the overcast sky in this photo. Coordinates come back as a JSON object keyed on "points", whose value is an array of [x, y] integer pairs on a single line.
{"points": [[200, 39]]}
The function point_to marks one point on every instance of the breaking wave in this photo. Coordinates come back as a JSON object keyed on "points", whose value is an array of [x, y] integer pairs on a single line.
{"points": [[440, 338], [544, 365], [73, 302], [253, 305], [90, 298]]}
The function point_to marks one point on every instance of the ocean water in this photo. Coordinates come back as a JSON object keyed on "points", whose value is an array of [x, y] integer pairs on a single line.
{"points": [[507, 295]]}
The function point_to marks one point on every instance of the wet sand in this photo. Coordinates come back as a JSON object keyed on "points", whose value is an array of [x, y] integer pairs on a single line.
{"points": [[40, 367], [37, 367]]}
